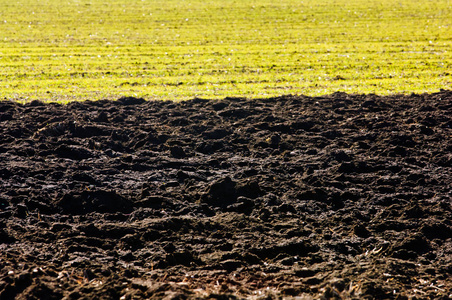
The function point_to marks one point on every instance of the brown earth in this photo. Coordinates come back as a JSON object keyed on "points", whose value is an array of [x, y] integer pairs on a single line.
{"points": [[342, 196]]}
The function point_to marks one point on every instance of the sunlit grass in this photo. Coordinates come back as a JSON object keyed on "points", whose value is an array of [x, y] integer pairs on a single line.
{"points": [[92, 49]]}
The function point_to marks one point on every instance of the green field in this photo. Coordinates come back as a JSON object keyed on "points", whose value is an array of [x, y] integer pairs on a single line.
{"points": [[176, 49]]}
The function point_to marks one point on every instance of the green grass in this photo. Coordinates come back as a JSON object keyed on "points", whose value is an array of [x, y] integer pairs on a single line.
{"points": [[176, 49]]}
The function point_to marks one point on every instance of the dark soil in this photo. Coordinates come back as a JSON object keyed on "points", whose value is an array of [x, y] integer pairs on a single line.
{"points": [[342, 196]]}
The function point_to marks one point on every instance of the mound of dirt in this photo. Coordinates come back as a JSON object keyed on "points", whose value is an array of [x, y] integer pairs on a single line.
{"points": [[341, 196]]}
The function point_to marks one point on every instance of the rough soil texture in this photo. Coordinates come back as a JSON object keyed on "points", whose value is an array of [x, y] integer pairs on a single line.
{"points": [[342, 196]]}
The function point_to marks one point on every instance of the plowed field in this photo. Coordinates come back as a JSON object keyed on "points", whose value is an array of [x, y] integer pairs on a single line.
{"points": [[341, 196]]}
